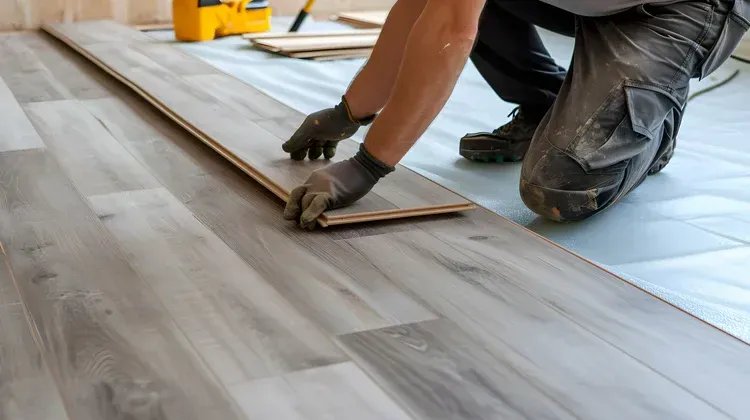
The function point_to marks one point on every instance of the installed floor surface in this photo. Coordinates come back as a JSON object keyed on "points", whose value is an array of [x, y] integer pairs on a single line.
{"points": [[684, 234], [146, 278]]}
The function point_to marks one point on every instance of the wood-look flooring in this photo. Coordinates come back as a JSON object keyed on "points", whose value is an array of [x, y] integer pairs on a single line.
{"points": [[144, 277]]}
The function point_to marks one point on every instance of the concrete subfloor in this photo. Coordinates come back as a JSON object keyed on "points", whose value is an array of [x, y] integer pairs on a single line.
{"points": [[684, 235]]}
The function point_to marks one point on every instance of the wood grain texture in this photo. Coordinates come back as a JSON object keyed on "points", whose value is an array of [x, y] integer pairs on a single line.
{"points": [[439, 372], [242, 141], [242, 97], [17, 133], [76, 76], [340, 391], [324, 282], [25, 75], [27, 391], [562, 359], [627, 318], [112, 348], [240, 325], [91, 157]]}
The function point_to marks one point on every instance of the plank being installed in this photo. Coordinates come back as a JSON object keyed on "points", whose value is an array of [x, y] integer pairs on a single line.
{"points": [[153, 71]]}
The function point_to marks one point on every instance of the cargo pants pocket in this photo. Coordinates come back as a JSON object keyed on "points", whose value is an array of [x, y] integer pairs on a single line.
{"points": [[735, 27], [633, 115]]}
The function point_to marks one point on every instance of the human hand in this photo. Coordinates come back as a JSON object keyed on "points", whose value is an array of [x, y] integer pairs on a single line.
{"points": [[321, 132], [337, 185]]}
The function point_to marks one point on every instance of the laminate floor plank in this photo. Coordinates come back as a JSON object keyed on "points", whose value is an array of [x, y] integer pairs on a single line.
{"points": [[91, 32], [340, 391], [81, 79], [17, 132], [560, 358], [108, 341], [27, 391], [439, 372], [312, 271], [25, 75], [240, 325], [174, 59], [240, 96], [633, 321], [91, 157], [223, 112]]}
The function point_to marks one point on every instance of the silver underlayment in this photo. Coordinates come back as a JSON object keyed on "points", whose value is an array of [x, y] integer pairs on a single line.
{"points": [[684, 235]]}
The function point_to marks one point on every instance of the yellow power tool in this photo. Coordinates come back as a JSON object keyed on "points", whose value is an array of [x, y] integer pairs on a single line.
{"points": [[204, 20]]}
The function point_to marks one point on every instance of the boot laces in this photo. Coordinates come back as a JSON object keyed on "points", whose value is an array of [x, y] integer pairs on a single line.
{"points": [[516, 119]]}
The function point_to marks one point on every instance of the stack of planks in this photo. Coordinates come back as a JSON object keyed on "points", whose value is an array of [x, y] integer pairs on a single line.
{"points": [[318, 46], [375, 19]]}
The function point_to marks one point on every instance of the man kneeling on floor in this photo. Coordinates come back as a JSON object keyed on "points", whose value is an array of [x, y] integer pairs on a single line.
{"points": [[587, 137]]}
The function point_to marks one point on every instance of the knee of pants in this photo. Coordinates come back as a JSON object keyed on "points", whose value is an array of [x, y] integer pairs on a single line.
{"points": [[559, 205], [555, 186]]}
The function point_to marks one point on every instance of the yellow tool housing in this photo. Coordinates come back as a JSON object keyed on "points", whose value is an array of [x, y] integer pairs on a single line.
{"points": [[204, 20]]}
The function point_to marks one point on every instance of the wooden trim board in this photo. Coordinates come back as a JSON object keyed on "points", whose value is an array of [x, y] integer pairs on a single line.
{"points": [[286, 35], [373, 19], [290, 45], [360, 52], [162, 75]]}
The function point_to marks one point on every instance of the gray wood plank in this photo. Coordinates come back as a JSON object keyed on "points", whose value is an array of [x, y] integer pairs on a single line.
{"points": [[563, 360], [27, 391], [240, 325], [341, 391], [322, 279], [17, 132], [238, 95], [108, 341], [176, 61], [90, 32], [93, 159], [25, 75], [81, 78], [439, 372], [635, 322]]}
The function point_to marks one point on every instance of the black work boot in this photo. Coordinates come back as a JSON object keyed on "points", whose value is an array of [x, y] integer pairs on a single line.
{"points": [[508, 143]]}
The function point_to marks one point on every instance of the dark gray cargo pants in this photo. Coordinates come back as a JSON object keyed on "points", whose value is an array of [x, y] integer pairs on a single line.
{"points": [[618, 109]]}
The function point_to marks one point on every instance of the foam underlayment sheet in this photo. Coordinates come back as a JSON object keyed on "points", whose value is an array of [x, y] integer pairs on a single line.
{"points": [[683, 235]]}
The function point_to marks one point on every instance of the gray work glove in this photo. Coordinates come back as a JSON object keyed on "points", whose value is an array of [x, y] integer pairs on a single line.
{"points": [[321, 132], [337, 185]]}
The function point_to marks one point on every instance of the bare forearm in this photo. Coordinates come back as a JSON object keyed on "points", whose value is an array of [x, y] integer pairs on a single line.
{"points": [[372, 87], [435, 54]]}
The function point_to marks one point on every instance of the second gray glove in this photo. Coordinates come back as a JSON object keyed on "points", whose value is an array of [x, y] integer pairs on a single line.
{"points": [[337, 185], [321, 131]]}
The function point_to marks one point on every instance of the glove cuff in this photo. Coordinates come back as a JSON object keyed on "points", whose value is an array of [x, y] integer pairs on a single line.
{"points": [[363, 121], [373, 165]]}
